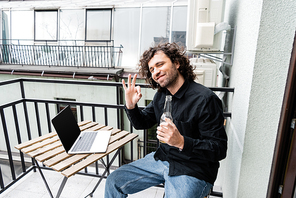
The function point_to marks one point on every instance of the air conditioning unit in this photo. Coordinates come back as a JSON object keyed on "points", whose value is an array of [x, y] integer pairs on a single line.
{"points": [[204, 25], [206, 71]]}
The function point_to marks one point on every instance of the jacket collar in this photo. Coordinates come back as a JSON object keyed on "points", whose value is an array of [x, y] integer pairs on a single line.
{"points": [[179, 94]]}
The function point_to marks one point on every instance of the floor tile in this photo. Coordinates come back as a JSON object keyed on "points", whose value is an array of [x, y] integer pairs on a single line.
{"points": [[77, 186]]}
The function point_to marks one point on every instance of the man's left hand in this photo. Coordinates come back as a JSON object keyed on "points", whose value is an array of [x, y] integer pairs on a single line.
{"points": [[167, 132]]}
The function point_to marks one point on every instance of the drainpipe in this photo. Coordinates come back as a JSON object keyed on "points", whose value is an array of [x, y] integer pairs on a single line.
{"points": [[171, 19]]}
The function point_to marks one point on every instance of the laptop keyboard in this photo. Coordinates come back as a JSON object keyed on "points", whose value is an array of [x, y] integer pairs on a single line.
{"points": [[85, 142]]}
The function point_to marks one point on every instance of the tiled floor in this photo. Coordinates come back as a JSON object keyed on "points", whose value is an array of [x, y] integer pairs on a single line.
{"points": [[78, 186]]}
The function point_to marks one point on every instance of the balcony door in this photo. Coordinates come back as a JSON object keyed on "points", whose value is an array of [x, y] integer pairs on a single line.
{"points": [[289, 188], [283, 171]]}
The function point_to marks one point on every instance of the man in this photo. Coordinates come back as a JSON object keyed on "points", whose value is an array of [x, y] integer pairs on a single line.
{"points": [[195, 140]]}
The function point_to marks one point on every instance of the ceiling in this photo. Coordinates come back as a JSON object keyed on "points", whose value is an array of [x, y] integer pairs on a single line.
{"points": [[31, 4]]}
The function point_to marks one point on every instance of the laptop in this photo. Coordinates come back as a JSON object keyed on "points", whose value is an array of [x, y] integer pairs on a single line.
{"points": [[76, 142]]}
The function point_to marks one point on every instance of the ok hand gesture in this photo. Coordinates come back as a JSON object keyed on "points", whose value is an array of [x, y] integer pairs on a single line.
{"points": [[132, 93]]}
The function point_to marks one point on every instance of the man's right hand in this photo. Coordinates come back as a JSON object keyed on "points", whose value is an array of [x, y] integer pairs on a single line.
{"points": [[132, 93]]}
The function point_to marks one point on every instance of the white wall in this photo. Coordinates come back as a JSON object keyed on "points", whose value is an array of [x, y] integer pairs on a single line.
{"points": [[240, 78], [265, 33]]}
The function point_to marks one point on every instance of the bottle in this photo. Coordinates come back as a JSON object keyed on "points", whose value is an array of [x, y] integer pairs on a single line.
{"points": [[167, 110]]}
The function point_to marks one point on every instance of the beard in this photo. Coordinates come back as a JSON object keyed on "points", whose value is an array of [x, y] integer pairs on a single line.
{"points": [[170, 78]]}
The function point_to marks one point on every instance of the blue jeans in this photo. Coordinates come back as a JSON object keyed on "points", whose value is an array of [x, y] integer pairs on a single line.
{"points": [[147, 172]]}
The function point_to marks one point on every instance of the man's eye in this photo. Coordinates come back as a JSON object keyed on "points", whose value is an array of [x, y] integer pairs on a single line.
{"points": [[151, 70]]}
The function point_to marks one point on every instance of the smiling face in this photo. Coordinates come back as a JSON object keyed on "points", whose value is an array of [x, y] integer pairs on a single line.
{"points": [[163, 71]]}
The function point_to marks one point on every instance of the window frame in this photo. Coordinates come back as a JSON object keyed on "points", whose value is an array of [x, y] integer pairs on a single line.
{"points": [[110, 27], [57, 26]]}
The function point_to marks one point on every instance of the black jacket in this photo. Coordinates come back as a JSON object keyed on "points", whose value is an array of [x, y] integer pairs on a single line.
{"points": [[198, 115]]}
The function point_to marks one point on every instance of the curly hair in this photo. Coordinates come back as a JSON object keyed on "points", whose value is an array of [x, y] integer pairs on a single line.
{"points": [[175, 53]]}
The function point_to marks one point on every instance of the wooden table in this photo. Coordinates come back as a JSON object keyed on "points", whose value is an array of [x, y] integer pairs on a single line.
{"points": [[48, 150]]}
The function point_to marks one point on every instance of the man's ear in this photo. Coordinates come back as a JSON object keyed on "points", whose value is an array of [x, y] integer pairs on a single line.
{"points": [[177, 64]]}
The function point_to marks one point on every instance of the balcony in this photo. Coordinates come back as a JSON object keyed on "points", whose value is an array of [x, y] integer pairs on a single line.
{"points": [[70, 53], [62, 58], [26, 113]]}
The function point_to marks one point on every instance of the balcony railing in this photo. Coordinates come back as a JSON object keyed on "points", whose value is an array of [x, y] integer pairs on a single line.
{"points": [[61, 53], [23, 118]]}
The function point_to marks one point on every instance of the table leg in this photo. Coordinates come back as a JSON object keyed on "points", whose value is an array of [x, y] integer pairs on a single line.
{"points": [[47, 186], [44, 180], [102, 176], [62, 187]]}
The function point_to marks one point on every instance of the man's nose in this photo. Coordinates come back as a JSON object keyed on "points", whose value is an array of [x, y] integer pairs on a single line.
{"points": [[156, 71]]}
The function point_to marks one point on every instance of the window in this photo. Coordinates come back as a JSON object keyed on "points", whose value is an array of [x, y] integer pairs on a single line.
{"points": [[98, 24], [60, 107], [155, 26], [6, 22], [179, 25], [46, 25], [19, 29], [126, 33], [72, 26]]}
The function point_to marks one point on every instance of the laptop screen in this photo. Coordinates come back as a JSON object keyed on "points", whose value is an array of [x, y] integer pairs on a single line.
{"points": [[66, 127]]}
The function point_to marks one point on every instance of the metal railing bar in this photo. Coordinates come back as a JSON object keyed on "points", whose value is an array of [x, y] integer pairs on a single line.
{"points": [[7, 82], [81, 113], [27, 120], [93, 113], [17, 179], [60, 40], [103, 105], [48, 116], [63, 56], [119, 159], [118, 84], [11, 103], [106, 116], [1, 180], [145, 140], [31, 52], [73, 51], [9, 54], [87, 56], [37, 118], [101, 58], [6, 136], [79, 173], [227, 114], [19, 139], [118, 110], [92, 54], [97, 56], [104, 57], [22, 89], [97, 167], [19, 54], [132, 151], [14, 56], [222, 89], [108, 57]]}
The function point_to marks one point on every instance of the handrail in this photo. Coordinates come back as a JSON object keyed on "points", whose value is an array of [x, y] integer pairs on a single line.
{"points": [[102, 55], [102, 83]]}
